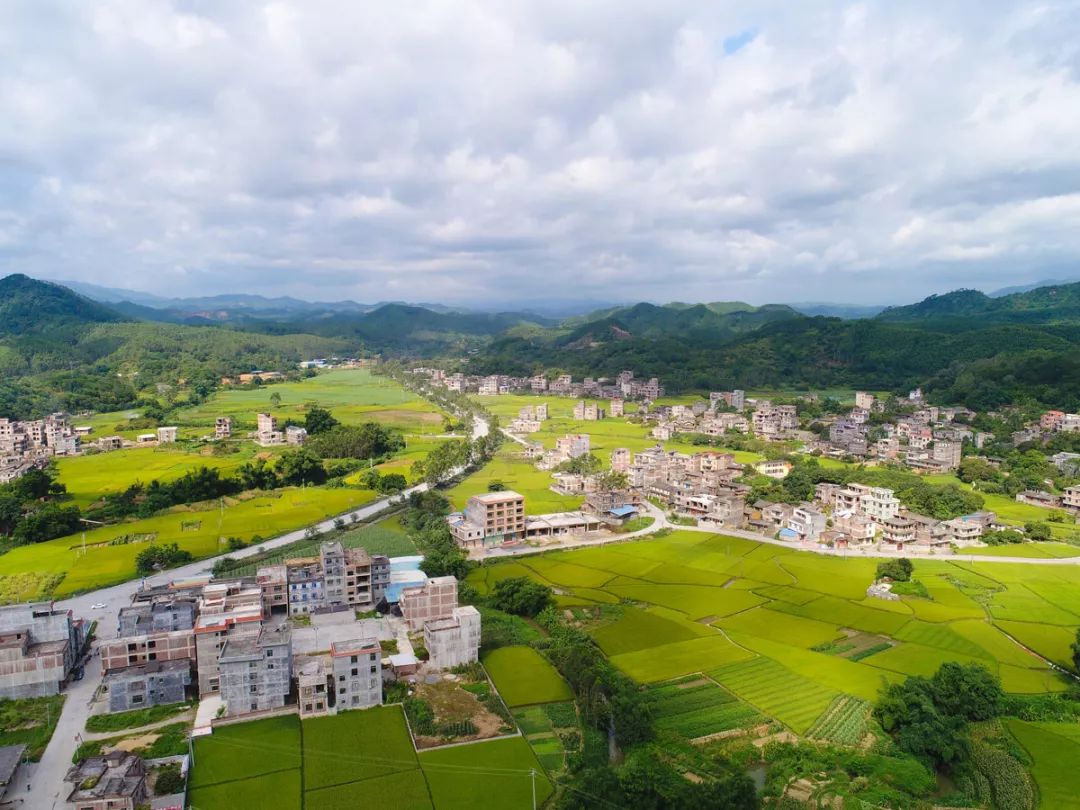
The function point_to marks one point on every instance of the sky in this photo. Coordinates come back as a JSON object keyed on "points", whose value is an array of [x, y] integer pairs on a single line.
{"points": [[509, 151]]}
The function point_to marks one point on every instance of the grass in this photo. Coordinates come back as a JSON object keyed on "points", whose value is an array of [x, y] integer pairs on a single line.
{"points": [[30, 722], [469, 777], [136, 718], [165, 741], [524, 677], [696, 707], [406, 790]]}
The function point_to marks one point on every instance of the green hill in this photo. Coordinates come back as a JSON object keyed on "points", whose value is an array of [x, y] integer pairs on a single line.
{"points": [[29, 307], [971, 309]]}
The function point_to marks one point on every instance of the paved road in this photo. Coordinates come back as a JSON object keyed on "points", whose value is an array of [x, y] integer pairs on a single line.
{"points": [[46, 777], [661, 522]]}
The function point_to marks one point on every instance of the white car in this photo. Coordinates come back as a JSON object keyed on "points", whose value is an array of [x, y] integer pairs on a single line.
{"points": [[98, 606]]}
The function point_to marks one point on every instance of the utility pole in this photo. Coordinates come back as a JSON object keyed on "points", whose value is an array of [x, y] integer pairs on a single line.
{"points": [[532, 773]]}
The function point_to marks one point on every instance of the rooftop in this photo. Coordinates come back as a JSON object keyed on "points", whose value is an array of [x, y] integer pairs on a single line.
{"points": [[497, 497]]}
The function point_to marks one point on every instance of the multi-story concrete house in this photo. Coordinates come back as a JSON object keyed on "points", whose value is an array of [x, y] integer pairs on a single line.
{"points": [[1070, 497], [947, 453], [295, 435], [621, 459], [617, 407], [159, 616], [313, 688], [491, 517], [267, 433], [256, 671], [167, 435], [227, 611], [807, 522], [157, 683], [223, 428], [898, 531], [115, 781], [127, 651], [588, 411], [434, 599], [573, 444], [455, 639], [864, 400], [338, 577], [357, 673], [39, 646]]}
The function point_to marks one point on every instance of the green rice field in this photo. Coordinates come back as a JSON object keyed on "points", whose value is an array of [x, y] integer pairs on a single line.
{"points": [[524, 677], [695, 707], [793, 635], [1055, 749], [355, 759]]}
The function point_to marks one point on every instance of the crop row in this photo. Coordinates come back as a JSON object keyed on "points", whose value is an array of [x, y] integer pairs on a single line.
{"points": [[844, 722], [671, 701], [776, 690], [710, 721]]}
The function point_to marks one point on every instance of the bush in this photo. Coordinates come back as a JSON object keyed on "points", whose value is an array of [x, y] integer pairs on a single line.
{"points": [[168, 780], [897, 570]]}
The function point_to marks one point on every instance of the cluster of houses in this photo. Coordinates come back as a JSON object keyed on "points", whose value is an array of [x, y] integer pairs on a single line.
{"points": [[495, 518], [229, 638], [624, 386], [27, 445], [268, 434]]}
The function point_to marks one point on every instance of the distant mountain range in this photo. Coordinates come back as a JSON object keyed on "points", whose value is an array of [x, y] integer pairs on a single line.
{"points": [[983, 350]]}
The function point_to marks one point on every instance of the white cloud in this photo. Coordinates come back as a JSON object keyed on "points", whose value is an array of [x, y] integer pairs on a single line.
{"points": [[613, 149]]}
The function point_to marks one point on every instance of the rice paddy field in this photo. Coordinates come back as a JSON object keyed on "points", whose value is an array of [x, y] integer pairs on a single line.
{"points": [[354, 396], [792, 636], [64, 566], [354, 759], [524, 677]]}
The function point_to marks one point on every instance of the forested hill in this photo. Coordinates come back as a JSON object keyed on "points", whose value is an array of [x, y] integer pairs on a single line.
{"points": [[969, 309], [400, 328], [59, 350], [28, 307]]}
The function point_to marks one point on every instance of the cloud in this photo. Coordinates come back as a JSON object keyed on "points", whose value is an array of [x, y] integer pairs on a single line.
{"points": [[498, 152]]}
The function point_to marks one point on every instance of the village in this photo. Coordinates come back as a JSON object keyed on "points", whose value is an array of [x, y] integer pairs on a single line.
{"points": [[310, 636], [711, 489]]}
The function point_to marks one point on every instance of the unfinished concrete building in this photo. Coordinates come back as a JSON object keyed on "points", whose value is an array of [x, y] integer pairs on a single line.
{"points": [[434, 599], [454, 640], [357, 673], [39, 646], [255, 672], [158, 683]]}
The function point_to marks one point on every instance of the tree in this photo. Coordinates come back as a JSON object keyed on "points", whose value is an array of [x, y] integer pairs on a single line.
{"points": [[319, 420], [1075, 647], [298, 467], [897, 570], [1038, 531], [971, 691], [156, 558], [611, 481], [496, 486], [256, 474], [392, 483], [275, 399], [521, 596], [367, 441]]}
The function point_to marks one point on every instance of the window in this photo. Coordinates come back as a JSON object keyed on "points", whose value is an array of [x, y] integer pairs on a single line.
{"points": [[254, 707], [355, 672], [372, 669], [254, 689], [151, 645], [354, 659], [269, 653]]}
